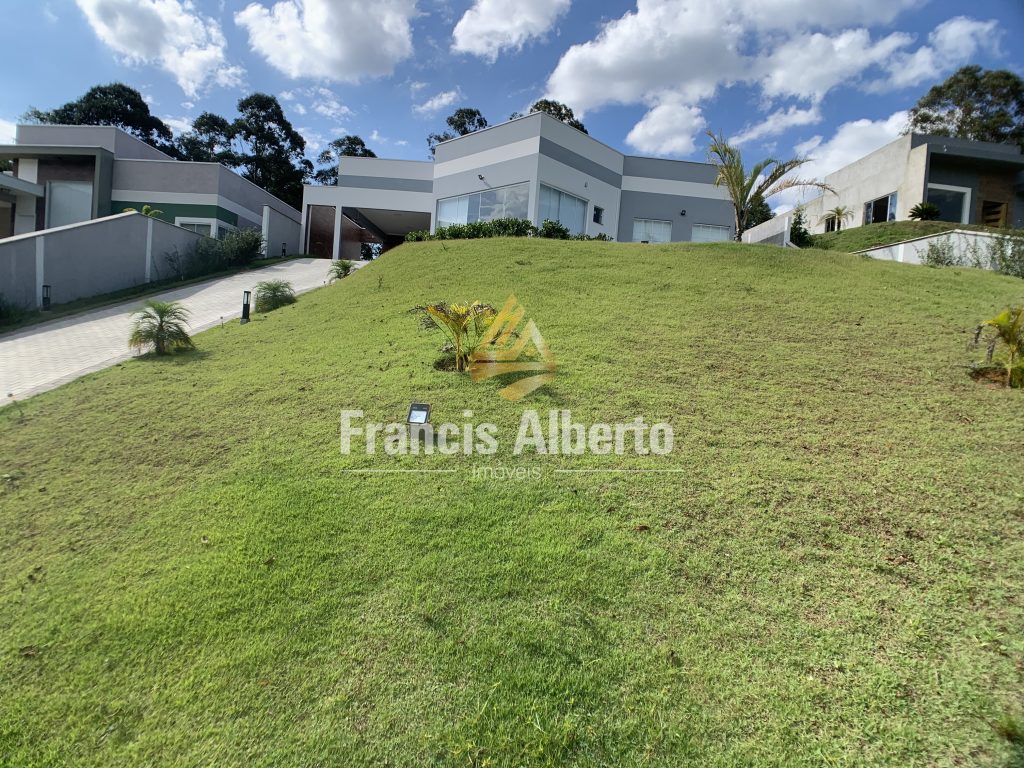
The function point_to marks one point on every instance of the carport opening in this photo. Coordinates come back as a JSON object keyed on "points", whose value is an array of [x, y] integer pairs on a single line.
{"points": [[368, 232]]}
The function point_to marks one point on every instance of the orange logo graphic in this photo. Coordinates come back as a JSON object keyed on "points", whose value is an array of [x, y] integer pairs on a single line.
{"points": [[503, 348]]}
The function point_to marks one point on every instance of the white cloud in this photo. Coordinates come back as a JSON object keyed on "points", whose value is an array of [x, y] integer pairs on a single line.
{"points": [[778, 121], [952, 43], [667, 129], [179, 125], [339, 40], [438, 102], [168, 33], [674, 55], [851, 141], [810, 65], [491, 26], [7, 131], [376, 138], [401, 143], [327, 104]]}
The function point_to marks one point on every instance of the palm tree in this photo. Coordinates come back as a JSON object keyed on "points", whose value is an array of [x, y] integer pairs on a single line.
{"points": [[764, 180], [162, 325], [462, 324], [840, 213], [1007, 330]]}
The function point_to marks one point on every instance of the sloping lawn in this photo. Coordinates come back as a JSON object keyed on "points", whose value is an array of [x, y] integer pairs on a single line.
{"points": [[887, 232], [189, 576]]}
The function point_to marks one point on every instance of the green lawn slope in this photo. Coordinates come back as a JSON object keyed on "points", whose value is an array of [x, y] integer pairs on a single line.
{"points": [[189, 575], [856, 239]]}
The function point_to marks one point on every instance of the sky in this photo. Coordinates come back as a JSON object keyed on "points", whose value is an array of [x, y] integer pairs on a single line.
{"points": [[827, 81]]}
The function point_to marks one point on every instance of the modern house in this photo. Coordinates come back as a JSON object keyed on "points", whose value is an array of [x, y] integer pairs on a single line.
{"points": [[532, 167], [69, 174], [971, 182]]}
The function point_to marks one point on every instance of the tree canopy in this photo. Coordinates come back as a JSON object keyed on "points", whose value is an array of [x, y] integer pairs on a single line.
{"points": [[346, 146], [973, 103], [260, 142], [559, 111], [461, 122], [115, 104]]}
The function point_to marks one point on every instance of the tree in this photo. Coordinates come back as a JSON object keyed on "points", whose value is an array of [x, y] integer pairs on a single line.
{"points": [[115, 104], [758, 212], [973, 103], [160, 324], [209, 141], [346, 146], [270, 152], [764, 180], [559, 111], [461, 122], [840, 213]]}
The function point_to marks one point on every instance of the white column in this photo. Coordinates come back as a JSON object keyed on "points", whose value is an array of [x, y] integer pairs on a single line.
{"points": [[40, 264], [149, 248], [266, 230], [336, 248]]}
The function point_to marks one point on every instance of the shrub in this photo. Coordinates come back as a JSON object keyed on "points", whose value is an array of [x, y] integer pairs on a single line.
{"points": [[554, 230], [925, 212], [418, 236], [1006, 255], [271, 294], [512, 228], [798, 234], [199, 258], [10, 312], [160, 324], [941, 253], [1005, 343], [242, 247], [339, 269], [462, 324]]}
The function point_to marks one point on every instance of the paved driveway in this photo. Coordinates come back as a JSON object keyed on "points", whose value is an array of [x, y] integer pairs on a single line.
{"points": [[45, 356]]}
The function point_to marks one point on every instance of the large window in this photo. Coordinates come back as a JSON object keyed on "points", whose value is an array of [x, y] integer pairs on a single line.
{"points": [[69, 202], [710, 233], [652, 231], [954, 202], [501, 203], [569, 211], [880, 209]]}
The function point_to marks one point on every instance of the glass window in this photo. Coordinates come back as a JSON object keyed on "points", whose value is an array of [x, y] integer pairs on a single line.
{"points": [[598, 215], [568, 210], [69, 203], [880, 209], [951, 202], [199, 229], [710, 233], [652, 231], [501, 203]]}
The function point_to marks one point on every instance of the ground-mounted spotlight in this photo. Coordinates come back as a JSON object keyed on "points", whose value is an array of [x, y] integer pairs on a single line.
{"points": [[419, 421]]}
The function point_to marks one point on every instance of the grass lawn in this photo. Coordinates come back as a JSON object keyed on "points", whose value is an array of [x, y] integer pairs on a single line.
{"points": [[188, 576], [888, 232]]}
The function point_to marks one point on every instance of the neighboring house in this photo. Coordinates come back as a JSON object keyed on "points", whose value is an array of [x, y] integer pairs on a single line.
{"points": [[534, 168], [972, 182], [69, 174]]}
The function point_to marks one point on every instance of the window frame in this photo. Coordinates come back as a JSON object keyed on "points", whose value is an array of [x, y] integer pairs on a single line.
{"points": [[727, 230], [658, 221], [598, 217], [438, 222], [965, 208]]}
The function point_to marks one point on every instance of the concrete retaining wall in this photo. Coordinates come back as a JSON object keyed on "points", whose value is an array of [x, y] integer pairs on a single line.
{"points": [[88, 259], [968, 247], [279, 228], [775, 231]]}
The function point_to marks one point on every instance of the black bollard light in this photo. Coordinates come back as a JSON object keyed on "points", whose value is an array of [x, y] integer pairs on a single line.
{"points": [[46, 298], [284, 249], [245, 306]]}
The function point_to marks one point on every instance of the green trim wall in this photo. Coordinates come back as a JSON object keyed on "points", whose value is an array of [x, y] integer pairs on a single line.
{"points": [[171, 211]]}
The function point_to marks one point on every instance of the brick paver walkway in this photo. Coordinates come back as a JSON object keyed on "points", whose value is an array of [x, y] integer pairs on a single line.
{"points": [[45, 356]]}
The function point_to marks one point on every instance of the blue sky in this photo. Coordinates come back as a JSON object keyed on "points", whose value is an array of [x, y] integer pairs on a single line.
{"points": [[828, 80]]}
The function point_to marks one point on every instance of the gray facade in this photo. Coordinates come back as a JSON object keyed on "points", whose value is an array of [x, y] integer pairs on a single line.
{"points": [[526, 168], [973, 182], [62, 164]]}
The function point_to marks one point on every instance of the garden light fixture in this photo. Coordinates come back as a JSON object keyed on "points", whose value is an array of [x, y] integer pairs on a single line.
{"points": [[245, 306]]}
